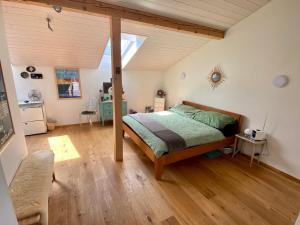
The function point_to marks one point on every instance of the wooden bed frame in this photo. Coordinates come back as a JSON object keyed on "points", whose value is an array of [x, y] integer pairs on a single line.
{"points": [[160, 162]]}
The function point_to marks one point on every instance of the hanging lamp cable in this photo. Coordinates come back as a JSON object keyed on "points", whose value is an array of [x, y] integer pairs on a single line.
{"points": [[49, 23]]}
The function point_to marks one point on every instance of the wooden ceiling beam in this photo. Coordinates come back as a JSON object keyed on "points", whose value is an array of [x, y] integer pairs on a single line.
{"points": [[98, 7]]}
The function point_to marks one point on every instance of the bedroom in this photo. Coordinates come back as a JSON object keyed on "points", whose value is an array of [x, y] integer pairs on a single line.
{"points": [[260, 45]]}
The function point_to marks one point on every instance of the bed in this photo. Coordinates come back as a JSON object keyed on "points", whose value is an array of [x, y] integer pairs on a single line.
{"points": [[199, 137]]}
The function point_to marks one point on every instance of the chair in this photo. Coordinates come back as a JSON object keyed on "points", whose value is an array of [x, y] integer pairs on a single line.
{"points": [[91, 109]]}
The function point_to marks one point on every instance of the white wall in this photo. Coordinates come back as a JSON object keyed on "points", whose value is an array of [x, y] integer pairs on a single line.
{"points": [[254, 51], [139, 87], [7, 214], [15, 149], [65, 111]]}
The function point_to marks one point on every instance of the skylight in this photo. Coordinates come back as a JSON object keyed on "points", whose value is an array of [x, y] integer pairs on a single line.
{"points": [[130, 44]]}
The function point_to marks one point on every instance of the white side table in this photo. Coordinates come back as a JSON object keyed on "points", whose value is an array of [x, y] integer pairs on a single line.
{"points": [[254, 143]]}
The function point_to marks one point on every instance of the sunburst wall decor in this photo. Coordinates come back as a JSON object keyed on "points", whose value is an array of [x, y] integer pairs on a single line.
{"points": [[216, 77]]}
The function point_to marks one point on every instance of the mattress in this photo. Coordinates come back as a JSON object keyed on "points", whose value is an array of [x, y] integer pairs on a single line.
{"points": [[193, 132]]}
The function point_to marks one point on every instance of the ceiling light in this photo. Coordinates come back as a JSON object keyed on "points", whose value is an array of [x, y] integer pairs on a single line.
{"points": [[57, 8]]}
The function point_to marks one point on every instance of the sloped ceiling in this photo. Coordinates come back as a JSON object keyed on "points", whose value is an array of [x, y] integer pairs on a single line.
{"points": [[78, 40], [162, 48], [221, 14]]}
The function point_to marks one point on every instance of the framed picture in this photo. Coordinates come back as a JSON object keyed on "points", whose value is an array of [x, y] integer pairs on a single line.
{"points": [[68, 83], [6, 125]]}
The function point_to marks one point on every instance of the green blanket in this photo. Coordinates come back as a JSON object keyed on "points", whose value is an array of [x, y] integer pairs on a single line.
{"points": [[193, 132]]}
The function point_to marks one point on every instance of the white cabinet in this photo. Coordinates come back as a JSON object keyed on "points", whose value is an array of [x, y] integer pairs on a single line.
{"points": [[33, 118], [31, 114], [159, 104], [34, 127]]}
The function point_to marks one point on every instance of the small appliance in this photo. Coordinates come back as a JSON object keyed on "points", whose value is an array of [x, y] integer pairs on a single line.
{"points": [[248, 132], [258, 135]]}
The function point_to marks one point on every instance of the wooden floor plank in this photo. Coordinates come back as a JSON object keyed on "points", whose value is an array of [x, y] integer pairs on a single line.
{"points": [[93, 189]]}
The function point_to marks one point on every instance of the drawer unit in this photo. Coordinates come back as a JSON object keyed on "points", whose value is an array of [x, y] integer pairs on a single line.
{"points": [[108, 114], [33, 117], [159, 104], [106, 110], [31, 114], [107, 106], [34, 127]]}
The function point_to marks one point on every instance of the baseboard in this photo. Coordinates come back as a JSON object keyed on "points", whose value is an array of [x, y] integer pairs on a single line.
{"points": [[77, 124], [275, 170]]}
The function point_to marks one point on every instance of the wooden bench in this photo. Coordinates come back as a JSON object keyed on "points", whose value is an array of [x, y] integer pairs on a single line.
{"points": [[31, 187]]}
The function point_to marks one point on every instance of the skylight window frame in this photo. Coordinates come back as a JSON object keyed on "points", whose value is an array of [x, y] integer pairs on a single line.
{"points": [[134, 42]]}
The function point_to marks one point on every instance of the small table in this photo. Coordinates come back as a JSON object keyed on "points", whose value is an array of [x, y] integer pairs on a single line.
{"points": [[251, 141]]}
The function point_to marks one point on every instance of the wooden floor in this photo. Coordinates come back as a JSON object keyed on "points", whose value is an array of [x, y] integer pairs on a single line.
{"points": [[92, 189]]}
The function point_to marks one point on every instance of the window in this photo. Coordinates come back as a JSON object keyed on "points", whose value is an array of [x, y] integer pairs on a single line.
{"points": [[6, 125], [129, 46]]}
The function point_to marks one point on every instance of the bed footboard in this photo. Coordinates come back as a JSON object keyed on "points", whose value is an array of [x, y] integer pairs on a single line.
{"points": [[160, 162]]}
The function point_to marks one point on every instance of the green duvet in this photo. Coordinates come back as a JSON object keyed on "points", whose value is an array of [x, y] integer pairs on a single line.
{"points": [[193, 132]]}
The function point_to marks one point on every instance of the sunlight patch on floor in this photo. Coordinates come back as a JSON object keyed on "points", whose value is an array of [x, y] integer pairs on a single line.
{"points": [[63, 148]]}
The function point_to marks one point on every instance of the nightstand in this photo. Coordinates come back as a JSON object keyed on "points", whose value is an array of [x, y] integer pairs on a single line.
{"points": [[159, 104], [106, 110], [254, 143]]}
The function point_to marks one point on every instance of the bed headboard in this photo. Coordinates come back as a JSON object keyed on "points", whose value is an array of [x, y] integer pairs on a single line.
{"points": [[238, 117]]}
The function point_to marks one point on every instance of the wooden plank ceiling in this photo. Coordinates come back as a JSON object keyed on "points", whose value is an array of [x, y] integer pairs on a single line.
{"points": [[78, 40], [162, 48], [221, 14]]}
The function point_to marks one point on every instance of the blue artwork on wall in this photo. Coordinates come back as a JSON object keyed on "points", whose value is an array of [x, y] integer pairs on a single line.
{"points": [[68, 83]]}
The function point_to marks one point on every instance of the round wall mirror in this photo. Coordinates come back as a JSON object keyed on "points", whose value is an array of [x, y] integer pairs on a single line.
{"points": [[216, 77]]}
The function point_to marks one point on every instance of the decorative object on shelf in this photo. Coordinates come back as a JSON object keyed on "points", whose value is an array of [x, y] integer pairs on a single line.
{"points": [[255, 134], [161, 93], [35, 95], [106, 97], [248, 132], [30, 69], [24, 75], [110, 92], [216, 77], [107, 91], [149, 109], [132, 111], [36, 76], [258, 135], [68, 83], [106, 86], [281, 81], [6, 125]]}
